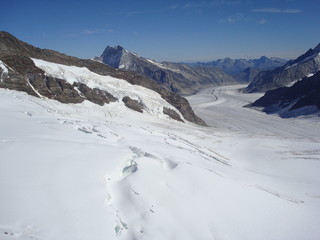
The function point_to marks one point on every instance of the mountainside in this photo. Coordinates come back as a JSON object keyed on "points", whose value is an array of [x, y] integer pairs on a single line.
{"points": [[244, 70], [301, 98], [175, 77], [20, 72], [247, 75], [294, 70]]}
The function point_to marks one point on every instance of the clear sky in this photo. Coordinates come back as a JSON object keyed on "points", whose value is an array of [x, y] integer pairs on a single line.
{"points": [[162, 30]]}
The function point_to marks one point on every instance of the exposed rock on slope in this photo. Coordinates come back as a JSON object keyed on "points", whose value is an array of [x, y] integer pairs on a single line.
{"points": [[133, 104], [175, 77], [286, 100], [294, 70], [23, 75], [172, 114]]}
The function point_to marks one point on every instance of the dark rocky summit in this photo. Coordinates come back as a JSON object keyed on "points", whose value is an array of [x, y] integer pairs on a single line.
{"points": [[285, 100], [294, 70], [174, 77], [23, 75]]}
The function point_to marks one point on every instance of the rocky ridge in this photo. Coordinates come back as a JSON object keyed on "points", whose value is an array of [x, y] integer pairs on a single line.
{"points": [[294, 70]]}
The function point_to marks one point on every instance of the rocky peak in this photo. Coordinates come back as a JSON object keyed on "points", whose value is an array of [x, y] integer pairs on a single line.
{"points": [[264, 59], [317, 48], [119, 48], [112, 56], [113, 50]]}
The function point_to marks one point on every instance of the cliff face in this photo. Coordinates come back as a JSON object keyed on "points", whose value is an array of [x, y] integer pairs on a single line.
{"points": [[20, 73]]}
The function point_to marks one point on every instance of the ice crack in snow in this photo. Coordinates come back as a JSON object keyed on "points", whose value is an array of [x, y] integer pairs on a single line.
{"points": [[127, 203], [277, 194]]}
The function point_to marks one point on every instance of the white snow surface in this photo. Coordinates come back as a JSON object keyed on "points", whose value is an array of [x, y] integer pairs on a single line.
{"points": [[4, 70], [3, 67], [89, 172], [310, 74]]}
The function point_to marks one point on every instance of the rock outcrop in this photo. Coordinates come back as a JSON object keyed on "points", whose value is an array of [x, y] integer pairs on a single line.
{"points": [[171, 113], [133, 104]]}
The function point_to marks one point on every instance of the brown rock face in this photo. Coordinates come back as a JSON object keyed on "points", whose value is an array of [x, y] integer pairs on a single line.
{"points": [[133, 104], [25, 76], [171, 113]]}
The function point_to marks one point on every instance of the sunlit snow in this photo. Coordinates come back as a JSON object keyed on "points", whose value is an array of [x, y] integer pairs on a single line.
{"points": [[89, 172]]}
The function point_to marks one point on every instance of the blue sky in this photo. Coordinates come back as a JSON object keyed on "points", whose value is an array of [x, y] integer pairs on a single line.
{"points": [[167, 30]]}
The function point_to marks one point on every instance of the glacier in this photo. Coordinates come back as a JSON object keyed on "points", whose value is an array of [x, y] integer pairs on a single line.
{"points": [[84, 171]]}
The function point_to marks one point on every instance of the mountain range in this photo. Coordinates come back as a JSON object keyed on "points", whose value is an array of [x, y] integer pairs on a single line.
{"points": [[244, 70], [19, 72], [175, 77], [188, 78]]}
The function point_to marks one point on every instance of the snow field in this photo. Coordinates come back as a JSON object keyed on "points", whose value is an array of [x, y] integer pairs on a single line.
{"points": [[83, 171]]}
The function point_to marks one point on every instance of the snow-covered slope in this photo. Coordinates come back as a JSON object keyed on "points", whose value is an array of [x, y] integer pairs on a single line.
{"points": [[23, 75], [84, 171], [151, 100]]}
